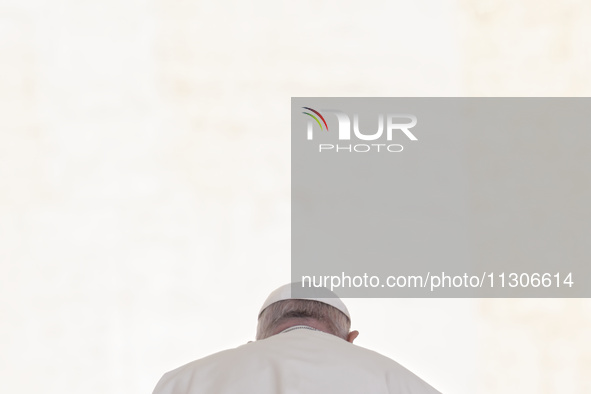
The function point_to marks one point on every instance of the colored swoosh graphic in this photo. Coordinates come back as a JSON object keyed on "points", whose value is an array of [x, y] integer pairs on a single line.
{"points": [[317, 113]]}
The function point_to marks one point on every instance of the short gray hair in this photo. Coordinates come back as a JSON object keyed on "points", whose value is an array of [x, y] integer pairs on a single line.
{"points": [[278, 312]]}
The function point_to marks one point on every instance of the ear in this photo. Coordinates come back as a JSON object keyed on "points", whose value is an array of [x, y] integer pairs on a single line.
{"points": [[352, 335]]}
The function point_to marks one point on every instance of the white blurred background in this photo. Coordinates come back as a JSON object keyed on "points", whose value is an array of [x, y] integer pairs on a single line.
{"points": [[145, 180]]}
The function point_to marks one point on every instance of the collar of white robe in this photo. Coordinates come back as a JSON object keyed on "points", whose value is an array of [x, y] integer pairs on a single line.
{"points": [[299, 327]]}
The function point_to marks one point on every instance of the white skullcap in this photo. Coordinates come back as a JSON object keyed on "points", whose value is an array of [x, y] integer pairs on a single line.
{"points": [[284, 293]]}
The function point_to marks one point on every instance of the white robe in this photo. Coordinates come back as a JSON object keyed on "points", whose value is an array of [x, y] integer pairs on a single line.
{"points": [[299, 361]]}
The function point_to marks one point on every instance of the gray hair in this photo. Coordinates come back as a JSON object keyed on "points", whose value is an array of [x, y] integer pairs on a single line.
{"points": [[275, 314]]}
